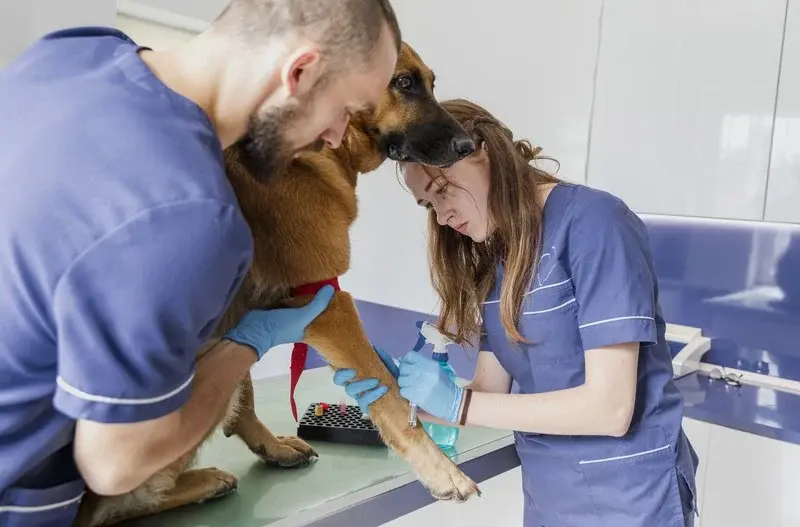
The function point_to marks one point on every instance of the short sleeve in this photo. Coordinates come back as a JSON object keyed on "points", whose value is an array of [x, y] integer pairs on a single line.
{"points": [[132, 311], [613, 276]]}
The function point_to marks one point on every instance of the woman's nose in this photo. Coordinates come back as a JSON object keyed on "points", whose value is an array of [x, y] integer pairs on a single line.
{"points": [[442, 216]]}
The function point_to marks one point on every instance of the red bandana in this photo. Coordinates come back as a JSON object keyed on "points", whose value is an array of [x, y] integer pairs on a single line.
{"points": [[300, 350]]}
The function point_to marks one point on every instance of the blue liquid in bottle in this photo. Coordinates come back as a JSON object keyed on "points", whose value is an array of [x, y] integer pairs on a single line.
{"points": [[442, 435]]}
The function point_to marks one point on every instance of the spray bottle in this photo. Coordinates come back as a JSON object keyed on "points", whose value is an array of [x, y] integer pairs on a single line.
{"points": [[442, 435]]}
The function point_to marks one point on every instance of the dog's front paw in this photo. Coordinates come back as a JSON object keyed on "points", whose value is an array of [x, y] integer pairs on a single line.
{"points": [[287, 452], [217, 483]]}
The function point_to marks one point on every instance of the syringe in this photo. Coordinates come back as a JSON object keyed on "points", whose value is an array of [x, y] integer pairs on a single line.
{"points": [[412, 416]]}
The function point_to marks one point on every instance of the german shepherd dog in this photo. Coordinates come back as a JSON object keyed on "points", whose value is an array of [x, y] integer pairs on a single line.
{"points": [[300, 222]]}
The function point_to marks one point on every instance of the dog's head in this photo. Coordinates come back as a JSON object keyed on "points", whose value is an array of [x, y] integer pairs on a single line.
{"points": [[409, 124]]}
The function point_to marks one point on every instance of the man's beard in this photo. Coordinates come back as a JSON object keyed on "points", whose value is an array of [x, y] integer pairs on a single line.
{"points": [[266, 151]]}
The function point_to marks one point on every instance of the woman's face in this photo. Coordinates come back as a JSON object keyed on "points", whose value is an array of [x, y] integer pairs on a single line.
{"points": [[459, 195]]}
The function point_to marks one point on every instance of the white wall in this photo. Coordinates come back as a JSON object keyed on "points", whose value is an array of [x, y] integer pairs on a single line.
{"points": [[155, 36], [23, 21], [530, 63]]}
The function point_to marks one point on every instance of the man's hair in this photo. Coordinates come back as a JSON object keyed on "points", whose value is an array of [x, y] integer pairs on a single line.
{"points": [[346, 30]]}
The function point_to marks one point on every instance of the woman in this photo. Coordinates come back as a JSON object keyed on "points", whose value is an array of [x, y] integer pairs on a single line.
{"points": [[556, 281]]}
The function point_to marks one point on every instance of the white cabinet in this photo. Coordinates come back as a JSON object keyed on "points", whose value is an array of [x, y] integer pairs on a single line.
{"points": [[750, 481], [684, 103], [783, 191]]}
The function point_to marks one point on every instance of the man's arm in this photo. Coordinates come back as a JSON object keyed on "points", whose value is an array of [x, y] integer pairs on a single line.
{"points": [[130, 314], [116, 458]]}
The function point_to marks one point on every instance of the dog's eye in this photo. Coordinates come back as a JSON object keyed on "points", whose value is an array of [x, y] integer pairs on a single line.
{"points": [[404, 82]]}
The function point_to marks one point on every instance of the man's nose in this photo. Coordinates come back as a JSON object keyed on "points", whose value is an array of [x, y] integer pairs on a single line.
{"points": [[334, 134]]}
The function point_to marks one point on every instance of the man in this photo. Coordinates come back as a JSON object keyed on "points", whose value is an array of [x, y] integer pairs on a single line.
{"points": [[121, 241]]}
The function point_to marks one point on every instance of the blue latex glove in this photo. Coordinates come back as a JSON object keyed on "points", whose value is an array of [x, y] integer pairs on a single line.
{"points": [[423, 382], [263, 329], [365, 391]]}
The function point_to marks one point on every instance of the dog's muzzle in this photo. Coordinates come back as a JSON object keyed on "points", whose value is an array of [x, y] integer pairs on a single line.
{"points": [[427, 148]]}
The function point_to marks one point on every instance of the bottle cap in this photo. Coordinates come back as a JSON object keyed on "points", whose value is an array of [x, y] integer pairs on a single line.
{"points": [[440, 356]]}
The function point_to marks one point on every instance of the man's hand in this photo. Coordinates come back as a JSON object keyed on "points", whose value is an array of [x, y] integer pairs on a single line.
{"points": [[265, 329]]}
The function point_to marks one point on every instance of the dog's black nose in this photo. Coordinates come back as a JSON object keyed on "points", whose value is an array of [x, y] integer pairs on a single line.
{"points": [[463, 146]]}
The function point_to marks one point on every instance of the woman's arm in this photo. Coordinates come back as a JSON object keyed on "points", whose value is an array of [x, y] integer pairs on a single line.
{"points": [[490, 376], [603, 405]]}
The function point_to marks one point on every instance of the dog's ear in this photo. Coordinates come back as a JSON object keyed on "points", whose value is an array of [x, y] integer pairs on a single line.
{"points": [[365, 152]]}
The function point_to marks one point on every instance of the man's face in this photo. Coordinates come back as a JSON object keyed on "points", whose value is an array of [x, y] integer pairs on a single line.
{"points": [[318, 115]]}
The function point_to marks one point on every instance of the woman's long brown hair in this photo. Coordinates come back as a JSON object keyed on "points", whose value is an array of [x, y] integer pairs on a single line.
{"points": [[462, 271]]}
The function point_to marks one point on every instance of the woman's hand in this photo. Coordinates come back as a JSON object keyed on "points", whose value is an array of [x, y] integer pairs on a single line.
{"points": [[424, 383], [365, 391]]}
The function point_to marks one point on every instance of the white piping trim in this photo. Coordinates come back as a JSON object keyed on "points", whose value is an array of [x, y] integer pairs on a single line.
{"points": [[114, 400], [617, 458], [535, 290], [548, 286], [606, 321], [40, 508], [568, 302], [162, 17]]}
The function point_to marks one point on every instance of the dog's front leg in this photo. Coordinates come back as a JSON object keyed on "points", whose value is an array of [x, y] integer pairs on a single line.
{"points": [[241, 420], [337, 334]]}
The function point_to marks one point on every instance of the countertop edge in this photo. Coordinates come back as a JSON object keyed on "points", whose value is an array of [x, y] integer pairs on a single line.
{"points": [[380, 503]]}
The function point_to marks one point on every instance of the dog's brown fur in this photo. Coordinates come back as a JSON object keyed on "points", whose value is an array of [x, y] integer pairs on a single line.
{"points": [[300, 223]]}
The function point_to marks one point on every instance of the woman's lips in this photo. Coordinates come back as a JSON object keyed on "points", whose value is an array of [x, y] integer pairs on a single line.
{"points": [[461, 228]]}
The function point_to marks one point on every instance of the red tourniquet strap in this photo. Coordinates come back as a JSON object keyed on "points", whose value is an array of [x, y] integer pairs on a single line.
{"points": [[300, 350]]}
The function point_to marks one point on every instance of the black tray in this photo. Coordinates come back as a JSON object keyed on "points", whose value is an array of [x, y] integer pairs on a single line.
{"points": [[337, 428]]}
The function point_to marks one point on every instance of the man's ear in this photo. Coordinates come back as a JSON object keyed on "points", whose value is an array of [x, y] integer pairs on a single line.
{"points": [[301, 70]]}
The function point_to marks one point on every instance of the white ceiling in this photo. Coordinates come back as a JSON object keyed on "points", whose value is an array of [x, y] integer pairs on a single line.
{"points": [[205, 10]]}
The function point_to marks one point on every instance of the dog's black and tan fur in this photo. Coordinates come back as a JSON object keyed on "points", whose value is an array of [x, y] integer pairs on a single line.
{"points": [[300, 223]]}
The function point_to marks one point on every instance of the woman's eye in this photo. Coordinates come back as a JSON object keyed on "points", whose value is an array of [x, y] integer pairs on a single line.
{"points": [[404, 82], [443, 188]]}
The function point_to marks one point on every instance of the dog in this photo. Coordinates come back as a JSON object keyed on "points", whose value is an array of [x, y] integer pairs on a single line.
{"points": [[300, 222]]}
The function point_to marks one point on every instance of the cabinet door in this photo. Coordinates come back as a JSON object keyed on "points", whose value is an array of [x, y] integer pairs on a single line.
{"points": [[783, 191], [750, 481], [684, 103]]}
